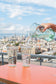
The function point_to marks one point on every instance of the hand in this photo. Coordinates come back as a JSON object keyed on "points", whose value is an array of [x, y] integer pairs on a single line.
{"points": [[47, 26]]}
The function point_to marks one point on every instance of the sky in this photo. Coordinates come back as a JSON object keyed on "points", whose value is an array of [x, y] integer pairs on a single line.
{"points": [[17, 16]]}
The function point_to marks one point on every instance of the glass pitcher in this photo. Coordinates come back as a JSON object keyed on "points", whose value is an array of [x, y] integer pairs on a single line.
{"points": [[48, 35]]}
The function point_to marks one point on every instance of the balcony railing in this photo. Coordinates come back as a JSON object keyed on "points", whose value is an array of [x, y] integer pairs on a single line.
{"points": [[19, 56]]}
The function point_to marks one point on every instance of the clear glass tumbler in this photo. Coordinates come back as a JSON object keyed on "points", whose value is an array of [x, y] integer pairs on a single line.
{"points": [[12, 56], [26, 51]]}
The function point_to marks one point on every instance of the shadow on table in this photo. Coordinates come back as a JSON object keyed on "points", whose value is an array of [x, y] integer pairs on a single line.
{"points": [[3, 81]]}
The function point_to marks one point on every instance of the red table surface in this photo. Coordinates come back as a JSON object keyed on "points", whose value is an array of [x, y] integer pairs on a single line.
{"points": [[34, 74]]}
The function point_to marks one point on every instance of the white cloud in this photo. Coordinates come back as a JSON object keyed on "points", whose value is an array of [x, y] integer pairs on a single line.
{"points": [[1, 19], [12, 28], [13, 10], [41, 10], [47, 19], [8, 27], [50, 3], [19, 18]]}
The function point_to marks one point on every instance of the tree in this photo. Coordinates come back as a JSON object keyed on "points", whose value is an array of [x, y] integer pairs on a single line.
{"points": [[17, 44]]}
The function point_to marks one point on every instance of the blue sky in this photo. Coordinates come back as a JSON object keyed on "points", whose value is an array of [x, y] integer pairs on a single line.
{"points": [[18, 15]]}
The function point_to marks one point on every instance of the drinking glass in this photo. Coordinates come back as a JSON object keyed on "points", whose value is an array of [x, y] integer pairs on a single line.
{"points": [[12, 53], [26, 51]]}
